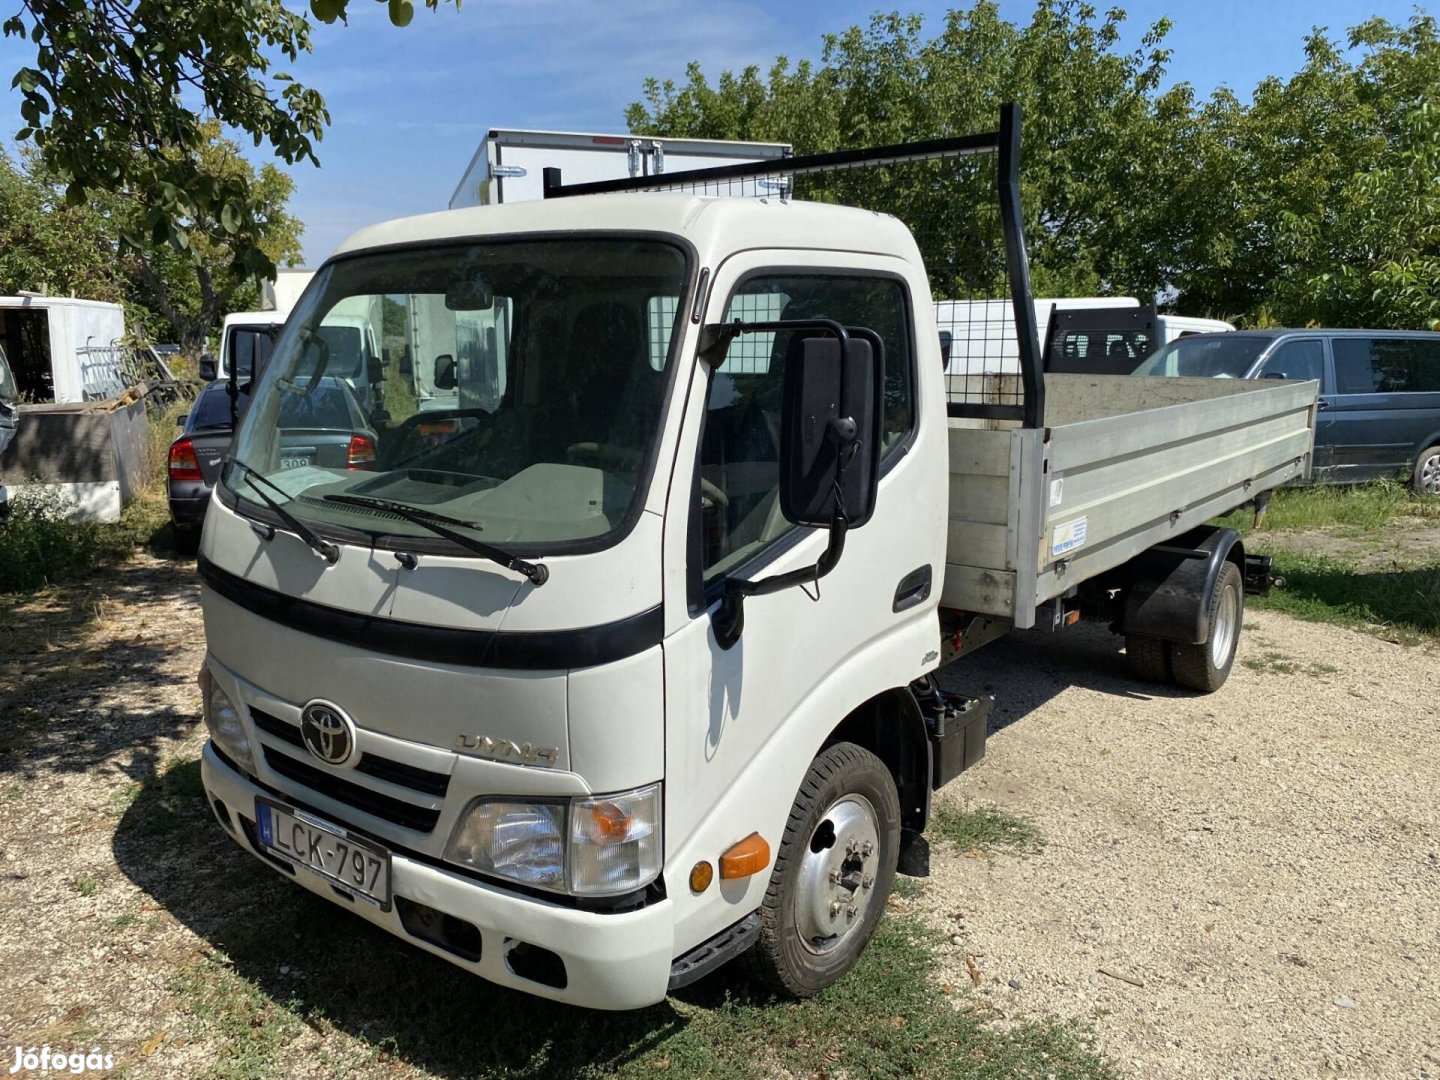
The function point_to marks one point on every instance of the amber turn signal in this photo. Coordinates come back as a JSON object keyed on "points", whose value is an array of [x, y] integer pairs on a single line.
{"points": [[749, 856], [701, 874]]}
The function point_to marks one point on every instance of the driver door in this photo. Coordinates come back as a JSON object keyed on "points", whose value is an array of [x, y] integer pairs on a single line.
{"points": [[743, 723]]}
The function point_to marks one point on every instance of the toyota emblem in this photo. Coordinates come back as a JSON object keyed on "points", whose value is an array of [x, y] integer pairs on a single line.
{"points": [[328, 733]]}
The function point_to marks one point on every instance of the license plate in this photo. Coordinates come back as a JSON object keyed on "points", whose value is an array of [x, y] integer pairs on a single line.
{"points": [[360, 867], [294, 462]]}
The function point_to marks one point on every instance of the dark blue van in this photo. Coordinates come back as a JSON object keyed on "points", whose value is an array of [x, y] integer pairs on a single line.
{"points": [[1379, 392]]}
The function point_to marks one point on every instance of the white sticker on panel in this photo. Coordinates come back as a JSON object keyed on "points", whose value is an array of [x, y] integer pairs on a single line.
{"points": [[1057, 487], [1068, 537]]}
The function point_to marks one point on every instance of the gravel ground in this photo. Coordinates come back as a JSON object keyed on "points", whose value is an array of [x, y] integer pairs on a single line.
{"points": [[1241, 885], [1262, 863]]}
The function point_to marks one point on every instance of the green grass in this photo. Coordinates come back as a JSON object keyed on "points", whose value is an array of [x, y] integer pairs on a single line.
{"points": [[1271, 662], [41, 547], [985, 829], [1338, 508], [86, 885], [1402, 604], [284, 965], [253, 1029], [887, 1018]]}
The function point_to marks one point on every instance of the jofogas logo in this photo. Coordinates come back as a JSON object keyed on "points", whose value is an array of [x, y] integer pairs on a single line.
{"points": [[45, 1060]]}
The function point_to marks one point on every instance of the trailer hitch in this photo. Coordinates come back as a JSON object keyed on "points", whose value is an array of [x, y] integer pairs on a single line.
{"points": [[1258, 577]]}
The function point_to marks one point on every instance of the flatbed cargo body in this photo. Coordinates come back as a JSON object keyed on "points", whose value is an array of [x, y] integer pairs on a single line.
{"points": [[1126, 463]]}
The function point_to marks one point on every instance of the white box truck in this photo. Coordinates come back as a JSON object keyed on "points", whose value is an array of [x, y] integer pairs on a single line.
{"points": [[509, 165], [631, 672], [1098, 335]]}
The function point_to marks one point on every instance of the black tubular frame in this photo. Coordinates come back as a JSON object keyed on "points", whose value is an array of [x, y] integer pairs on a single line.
{"points": [[1003, 142]]}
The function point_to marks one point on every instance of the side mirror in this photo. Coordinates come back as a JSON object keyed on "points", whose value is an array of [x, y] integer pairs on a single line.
{"points": [[830, 429], [830, 420], [444, 372], [406, 367], [207, 367], [374, 369], [946, 340], [180, 420]]}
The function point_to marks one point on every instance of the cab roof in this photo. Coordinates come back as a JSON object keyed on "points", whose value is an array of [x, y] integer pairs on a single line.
{"points": [[714, 225]]}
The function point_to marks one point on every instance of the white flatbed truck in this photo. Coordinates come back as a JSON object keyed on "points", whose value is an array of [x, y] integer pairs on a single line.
{"points": [[631, 673]]}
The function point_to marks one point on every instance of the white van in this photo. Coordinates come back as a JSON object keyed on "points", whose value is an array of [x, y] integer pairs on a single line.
{"points": [[246, 338]]}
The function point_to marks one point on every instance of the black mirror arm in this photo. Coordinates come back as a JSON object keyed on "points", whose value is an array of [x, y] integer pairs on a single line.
{"points": [[729, 618], [715, 338]]}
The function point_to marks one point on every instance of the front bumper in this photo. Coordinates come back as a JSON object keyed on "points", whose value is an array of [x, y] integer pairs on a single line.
{"points": [[611, 961]]}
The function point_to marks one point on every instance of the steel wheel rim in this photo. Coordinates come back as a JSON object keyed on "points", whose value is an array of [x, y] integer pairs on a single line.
{"points": [[835, 886], [1222, 637], [1430, 475]]}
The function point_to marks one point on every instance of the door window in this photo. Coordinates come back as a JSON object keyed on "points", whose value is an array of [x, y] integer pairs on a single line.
{"points": [[740, 451], [1299, 360], [1386, 365]]}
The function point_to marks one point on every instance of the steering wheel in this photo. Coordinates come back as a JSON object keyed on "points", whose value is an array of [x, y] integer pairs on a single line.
{"points": [[406, 430], [626, 458]]}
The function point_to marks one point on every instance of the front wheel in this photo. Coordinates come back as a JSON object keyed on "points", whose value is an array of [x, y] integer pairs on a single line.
{"points": [[832, 873], [1206, 667]]}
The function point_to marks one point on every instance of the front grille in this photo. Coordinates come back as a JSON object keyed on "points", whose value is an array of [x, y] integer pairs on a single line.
{"points": [[395, 811], [273, 725], [424, 781]]}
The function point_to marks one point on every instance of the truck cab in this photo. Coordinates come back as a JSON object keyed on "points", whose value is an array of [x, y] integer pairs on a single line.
{"points": [[552, 761]]}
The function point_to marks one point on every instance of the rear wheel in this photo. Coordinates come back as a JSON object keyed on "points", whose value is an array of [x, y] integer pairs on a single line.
{"points": [[832, 873], [1148, 657], [1206, 667], [1427, 472]]}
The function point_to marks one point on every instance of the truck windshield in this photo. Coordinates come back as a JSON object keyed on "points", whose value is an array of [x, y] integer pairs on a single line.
{"points": [[1206, 356], [514, 384]]}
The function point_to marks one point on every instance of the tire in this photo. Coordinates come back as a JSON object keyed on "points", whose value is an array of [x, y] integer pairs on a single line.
{"points": [[1206, 667], [1426, 480], [1149, 658], [808, 936]]}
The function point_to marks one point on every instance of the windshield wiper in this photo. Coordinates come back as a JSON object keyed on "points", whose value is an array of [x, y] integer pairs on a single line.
{"points": [[437, 523], [327, 551]]}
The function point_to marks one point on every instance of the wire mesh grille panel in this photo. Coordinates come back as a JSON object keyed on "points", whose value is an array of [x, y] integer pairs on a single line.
{"points": [[945, 191]]}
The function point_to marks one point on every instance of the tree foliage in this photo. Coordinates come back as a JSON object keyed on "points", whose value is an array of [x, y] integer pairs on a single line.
{"points": [[52, 244], [122, 92], [1318, 201]]}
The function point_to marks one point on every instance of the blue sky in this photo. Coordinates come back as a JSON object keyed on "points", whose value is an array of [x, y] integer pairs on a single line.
{"points": [[409, 106]]}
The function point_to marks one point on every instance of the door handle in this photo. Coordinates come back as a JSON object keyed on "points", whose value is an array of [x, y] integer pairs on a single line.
{"points": [[914, 588], [1321, 403]]}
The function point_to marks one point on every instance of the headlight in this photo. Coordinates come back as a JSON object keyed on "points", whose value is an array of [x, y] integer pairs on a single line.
{"points": [[223, 720], [615, 841], [524, 842], [598, 845]]}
